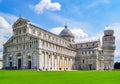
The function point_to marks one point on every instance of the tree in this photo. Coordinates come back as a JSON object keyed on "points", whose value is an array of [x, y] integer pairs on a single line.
{"points": [[117, 65]]}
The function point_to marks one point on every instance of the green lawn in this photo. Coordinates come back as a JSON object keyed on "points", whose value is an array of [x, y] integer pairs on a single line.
{"points": [[59, 77]]}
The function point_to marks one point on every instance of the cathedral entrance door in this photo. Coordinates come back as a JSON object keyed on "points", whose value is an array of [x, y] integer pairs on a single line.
{"points": [[90, 66], [19, 63], [10, 65], [29, 64]]}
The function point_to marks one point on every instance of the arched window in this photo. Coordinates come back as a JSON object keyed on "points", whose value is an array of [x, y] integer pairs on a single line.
{"points": [[83, 60], [10, 58], [29, 57], [24, 30]]}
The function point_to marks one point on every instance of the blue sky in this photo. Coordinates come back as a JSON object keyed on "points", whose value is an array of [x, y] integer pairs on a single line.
{"points": [[85, 18]]}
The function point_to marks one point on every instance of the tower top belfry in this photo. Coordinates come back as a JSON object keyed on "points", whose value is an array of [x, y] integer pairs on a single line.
{"points": [[108, 40]]}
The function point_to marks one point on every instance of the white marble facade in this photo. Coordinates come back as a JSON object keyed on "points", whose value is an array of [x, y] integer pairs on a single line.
{"points": [[31, 47]]}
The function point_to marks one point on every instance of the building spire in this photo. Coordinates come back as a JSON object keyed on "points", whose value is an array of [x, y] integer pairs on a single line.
{"points": [[66, 26]]}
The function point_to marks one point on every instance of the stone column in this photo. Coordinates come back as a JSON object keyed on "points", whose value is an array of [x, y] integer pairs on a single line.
{"points": [[45, 61], [14, 60], [71, 64], [58, 62], [67, 63], [24, 61], [71, 67], [55, 62], [37, 61], [49, 62], [7, 61], [41, 60], [61, 62], [52, 62]]}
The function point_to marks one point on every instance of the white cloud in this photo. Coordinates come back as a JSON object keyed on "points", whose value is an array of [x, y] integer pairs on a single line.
{"points": [[3, 23], [117, 52], [5, 28], [117, 58], [8, 17], [56, 30], [6, 21], [79, 33], [46, 5], [5, 31]]}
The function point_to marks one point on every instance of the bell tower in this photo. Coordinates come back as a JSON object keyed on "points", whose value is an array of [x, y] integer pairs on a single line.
{"points": [[108, 46]]}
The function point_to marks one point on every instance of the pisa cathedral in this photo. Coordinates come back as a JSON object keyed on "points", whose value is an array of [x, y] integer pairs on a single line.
{"points": [[32, 47]]}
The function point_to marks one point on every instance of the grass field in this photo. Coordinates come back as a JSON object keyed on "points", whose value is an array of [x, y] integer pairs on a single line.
{"points": [[59, 77]]}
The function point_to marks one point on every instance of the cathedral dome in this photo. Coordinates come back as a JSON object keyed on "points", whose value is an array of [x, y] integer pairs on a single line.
{"points": [[66, 32]]}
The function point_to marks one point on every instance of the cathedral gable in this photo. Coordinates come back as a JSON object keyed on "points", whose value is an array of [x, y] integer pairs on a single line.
{"points": [[20, 22]]}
